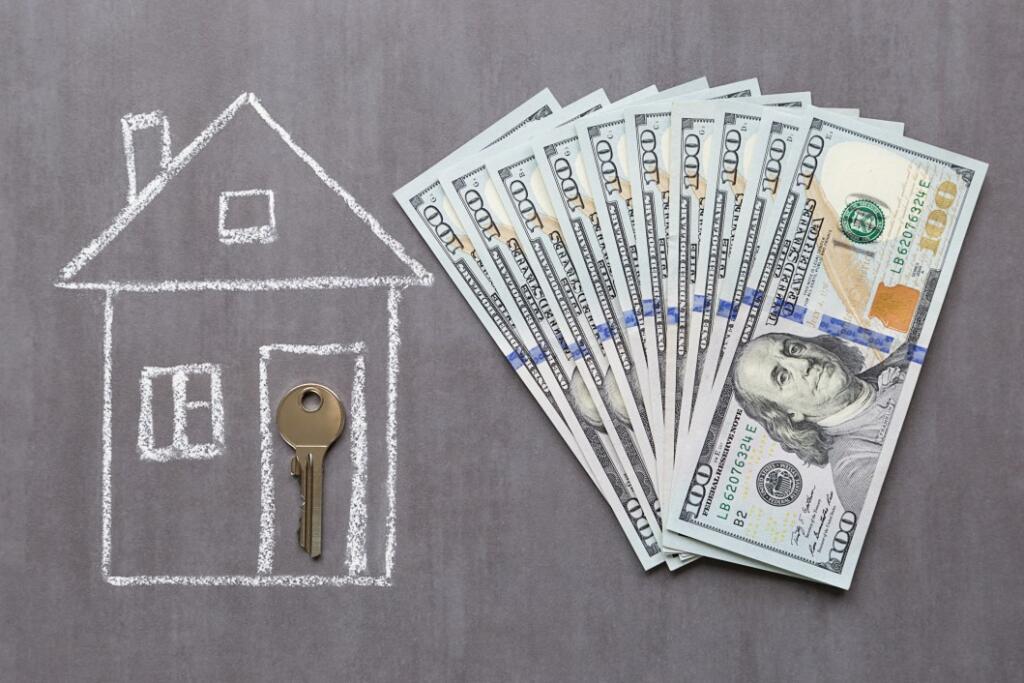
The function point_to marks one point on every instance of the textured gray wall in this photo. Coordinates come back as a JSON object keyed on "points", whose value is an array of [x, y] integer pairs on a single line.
{"points": [[508, 565]]}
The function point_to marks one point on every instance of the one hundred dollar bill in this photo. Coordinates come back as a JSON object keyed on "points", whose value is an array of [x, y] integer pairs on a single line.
{"points": [[601, 156], [475, 198], [769, 165], [884, 124], [753, 145], [644, 138], [565, 181], [732, 149], [768, 155], [477, 205], [785, 100], [598, 402], [516, 174], [860, 251], [428, 208], [756, 151]]}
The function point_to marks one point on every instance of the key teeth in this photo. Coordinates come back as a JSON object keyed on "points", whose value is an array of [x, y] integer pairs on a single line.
{"points": [[309, 471]]}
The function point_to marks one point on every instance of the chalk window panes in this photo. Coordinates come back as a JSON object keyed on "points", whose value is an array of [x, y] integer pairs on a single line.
{"points": [[181, 413], [246, 217]]}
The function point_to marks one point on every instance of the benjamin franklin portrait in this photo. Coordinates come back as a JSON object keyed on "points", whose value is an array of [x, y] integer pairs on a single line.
{"points": [[814, 397]]}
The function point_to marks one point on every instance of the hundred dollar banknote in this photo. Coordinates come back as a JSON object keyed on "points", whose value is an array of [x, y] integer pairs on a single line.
{"points": [[477, 203], [767, 154], [565, 183], [558, 154], [769, 162], [475, 197], [647, 143], [731, 146], [691, 126], [595, 391], [753, 144], [785, 100], [822, 364], [596, 159], [427, 207], [746, 141], [516, 174]]}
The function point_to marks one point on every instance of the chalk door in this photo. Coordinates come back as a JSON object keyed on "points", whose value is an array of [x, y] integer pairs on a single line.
{"points": [[342, 369]]}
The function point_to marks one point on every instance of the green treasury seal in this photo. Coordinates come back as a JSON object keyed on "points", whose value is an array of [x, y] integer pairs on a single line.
{"points": [[862, 221]]}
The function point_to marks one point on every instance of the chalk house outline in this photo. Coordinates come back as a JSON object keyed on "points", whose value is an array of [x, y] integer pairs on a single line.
{"points": [[137, 200]]}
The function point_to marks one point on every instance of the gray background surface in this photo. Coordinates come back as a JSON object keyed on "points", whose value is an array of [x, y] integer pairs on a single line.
{"points": [[508, 565]]}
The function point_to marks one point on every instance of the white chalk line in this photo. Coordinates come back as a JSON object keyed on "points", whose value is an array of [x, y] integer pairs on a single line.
{"points": [[244, 285], [268, 508], [356, 540], [265, 554], [143, 198], [107, 497], [391, 438], [180, 447], [145, 443], [250, 234], [315, 349], [133, 122], [353, 205], [280, 580], [155, 186]]}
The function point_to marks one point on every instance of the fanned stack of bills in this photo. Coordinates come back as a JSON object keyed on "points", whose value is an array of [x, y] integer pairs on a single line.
{"points": [[720, 299]]}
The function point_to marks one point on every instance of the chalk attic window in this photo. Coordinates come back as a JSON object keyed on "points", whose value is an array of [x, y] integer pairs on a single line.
{"points": [[181, 413], [246, 217]]}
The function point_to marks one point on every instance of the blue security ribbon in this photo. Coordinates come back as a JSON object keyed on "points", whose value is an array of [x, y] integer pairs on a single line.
{"points": [[838, 327], [537, 355], [727, 310], [514, 360], [915, 353], [789, 311]]}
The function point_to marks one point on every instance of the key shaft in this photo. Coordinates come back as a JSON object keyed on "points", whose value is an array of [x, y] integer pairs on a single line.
{"points": [[312, 481]]}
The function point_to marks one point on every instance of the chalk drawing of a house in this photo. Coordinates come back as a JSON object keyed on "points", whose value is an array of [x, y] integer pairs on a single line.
{"points": [[237, 269]]}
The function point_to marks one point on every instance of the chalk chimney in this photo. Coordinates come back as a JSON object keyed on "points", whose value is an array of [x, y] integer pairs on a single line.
{"points": [[147, 148]]}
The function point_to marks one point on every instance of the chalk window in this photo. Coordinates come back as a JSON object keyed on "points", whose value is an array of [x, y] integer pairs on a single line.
{"points": [[181, 413], [246, 217]]}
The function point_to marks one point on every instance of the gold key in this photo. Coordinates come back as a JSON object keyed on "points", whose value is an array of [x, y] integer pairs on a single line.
{"points": [[310, 418]]}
